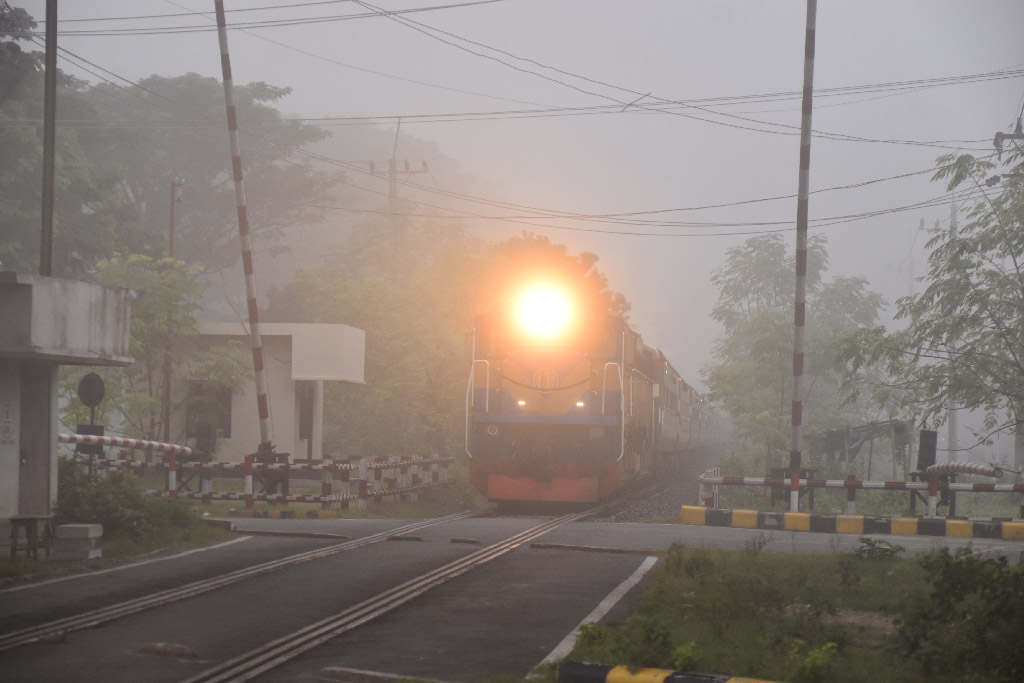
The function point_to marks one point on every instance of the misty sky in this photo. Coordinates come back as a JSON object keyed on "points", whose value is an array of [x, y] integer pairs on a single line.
{"points": [[592, 154]]}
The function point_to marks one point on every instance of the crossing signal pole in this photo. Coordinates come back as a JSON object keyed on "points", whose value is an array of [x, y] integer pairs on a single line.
{"points": [[392, 175]]}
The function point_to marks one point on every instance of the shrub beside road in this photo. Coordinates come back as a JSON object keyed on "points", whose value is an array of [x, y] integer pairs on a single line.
{"points": [[868, 615]]}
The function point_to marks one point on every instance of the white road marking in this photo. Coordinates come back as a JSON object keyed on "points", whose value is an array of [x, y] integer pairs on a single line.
{"points": [[123, 566], [563, 649]]}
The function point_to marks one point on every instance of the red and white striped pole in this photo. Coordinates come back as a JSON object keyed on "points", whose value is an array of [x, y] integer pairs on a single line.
{"points": [[800, 302], [262, 397]]}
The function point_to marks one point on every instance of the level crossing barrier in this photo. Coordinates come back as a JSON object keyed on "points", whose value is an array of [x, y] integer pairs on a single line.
{"points": [[936, 480], [379, 480]]}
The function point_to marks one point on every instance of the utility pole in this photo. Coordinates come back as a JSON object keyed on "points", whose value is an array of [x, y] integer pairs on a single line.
{"points": [[951, 440], [1018, 134], [165, 412], [800, 298], [392, 174], [49, 139], [175, 198]]}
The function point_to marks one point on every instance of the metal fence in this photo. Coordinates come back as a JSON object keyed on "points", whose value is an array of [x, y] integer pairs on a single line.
{"points": [[936, 479], [341, 481]]}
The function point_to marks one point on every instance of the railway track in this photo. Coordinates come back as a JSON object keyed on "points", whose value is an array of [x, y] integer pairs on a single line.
{"points": [[110, 613], [267, 657]]}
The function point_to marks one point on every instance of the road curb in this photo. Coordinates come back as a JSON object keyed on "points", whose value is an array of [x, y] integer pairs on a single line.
{"points": [[580, 672], [852, 524]]}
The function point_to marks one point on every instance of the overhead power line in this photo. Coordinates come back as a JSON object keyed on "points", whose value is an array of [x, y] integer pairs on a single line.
{"points": [[269, 23], [547, 214]]}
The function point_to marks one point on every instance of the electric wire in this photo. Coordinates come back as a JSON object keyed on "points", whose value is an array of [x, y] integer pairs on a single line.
{"points": [[789, 130], [270, 23], [551, 215]]}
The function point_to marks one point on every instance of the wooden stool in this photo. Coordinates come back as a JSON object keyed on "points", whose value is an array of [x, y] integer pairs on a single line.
{"points": [[31, 525]]}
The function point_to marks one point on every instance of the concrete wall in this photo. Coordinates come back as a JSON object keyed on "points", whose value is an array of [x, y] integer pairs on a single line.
{"points": [[46, 322], [69, 322]]}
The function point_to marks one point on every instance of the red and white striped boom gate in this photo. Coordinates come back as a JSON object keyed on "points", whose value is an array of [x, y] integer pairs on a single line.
{"points": [[124, 443], [933, 485], [380, 480]]}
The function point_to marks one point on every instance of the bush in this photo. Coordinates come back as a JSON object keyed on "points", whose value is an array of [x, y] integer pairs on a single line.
{"points": [[116, 502], [813, 666], [969, 626]]}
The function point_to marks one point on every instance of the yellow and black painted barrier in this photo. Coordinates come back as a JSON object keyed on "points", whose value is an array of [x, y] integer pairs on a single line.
{"points": [[579, 672], [294, 514], [852, 524]]}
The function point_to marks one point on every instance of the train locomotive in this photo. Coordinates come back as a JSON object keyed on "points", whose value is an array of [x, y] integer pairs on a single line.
{"points": [[567, 404]]}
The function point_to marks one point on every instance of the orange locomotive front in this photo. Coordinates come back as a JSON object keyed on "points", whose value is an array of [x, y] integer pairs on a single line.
{"points": [[563, 405]]}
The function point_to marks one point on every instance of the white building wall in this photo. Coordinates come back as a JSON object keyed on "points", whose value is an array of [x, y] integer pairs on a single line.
{"points": [[292, 352]]}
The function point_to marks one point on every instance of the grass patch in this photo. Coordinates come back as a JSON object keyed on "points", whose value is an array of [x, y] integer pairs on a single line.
{"points": [[794, 617]]}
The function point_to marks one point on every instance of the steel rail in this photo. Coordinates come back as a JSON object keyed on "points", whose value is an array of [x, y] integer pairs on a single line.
{"points": [[9, 641], [257, 662]]}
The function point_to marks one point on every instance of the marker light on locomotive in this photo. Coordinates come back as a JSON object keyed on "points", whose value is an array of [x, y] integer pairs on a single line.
{"points": [[544, 313]]}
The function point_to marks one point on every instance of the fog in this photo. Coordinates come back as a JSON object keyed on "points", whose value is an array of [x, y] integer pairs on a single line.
{"points": [[619, 158]]}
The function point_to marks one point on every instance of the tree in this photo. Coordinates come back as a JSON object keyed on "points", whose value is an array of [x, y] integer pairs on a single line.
{"points": [[752, 376], [155, 149], [964, 343], [163, 327], [89, 211]]}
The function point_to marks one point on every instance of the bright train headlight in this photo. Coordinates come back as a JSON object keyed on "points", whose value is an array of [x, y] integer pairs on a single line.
{"points": [[544, 312]]}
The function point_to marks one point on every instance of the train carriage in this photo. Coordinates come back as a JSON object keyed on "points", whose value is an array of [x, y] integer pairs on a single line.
{"points": [[566, 404]]}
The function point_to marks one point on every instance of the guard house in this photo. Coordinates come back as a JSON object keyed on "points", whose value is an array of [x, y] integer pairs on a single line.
{"points": [[46, 322], [299, 358]]}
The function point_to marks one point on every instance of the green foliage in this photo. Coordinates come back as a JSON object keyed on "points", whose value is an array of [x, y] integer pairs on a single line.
{"points": [[962, 342], [812, 666], [116, 502], [410, 288], [877, 549], [686, 657], [281, 185], [759, 276], [760, 614], [969, 624], [89, 210], [752, 374], [113, 179], [163, 330]]}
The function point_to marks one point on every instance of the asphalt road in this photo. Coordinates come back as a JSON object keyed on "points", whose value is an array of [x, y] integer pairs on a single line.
{"points": [[500, 619]]}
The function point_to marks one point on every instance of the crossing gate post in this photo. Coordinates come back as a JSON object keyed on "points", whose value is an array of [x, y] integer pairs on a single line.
{"points": [[206, 478], [346, 486], [363, 484], [416, 469], [933, 494], [172, 475], [851, 497], [403, 479], [325, 486], [248, 482], [378, 477]]}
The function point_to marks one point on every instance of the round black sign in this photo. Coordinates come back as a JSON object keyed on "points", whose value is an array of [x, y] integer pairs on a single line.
{"points": [[90, 390]]}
